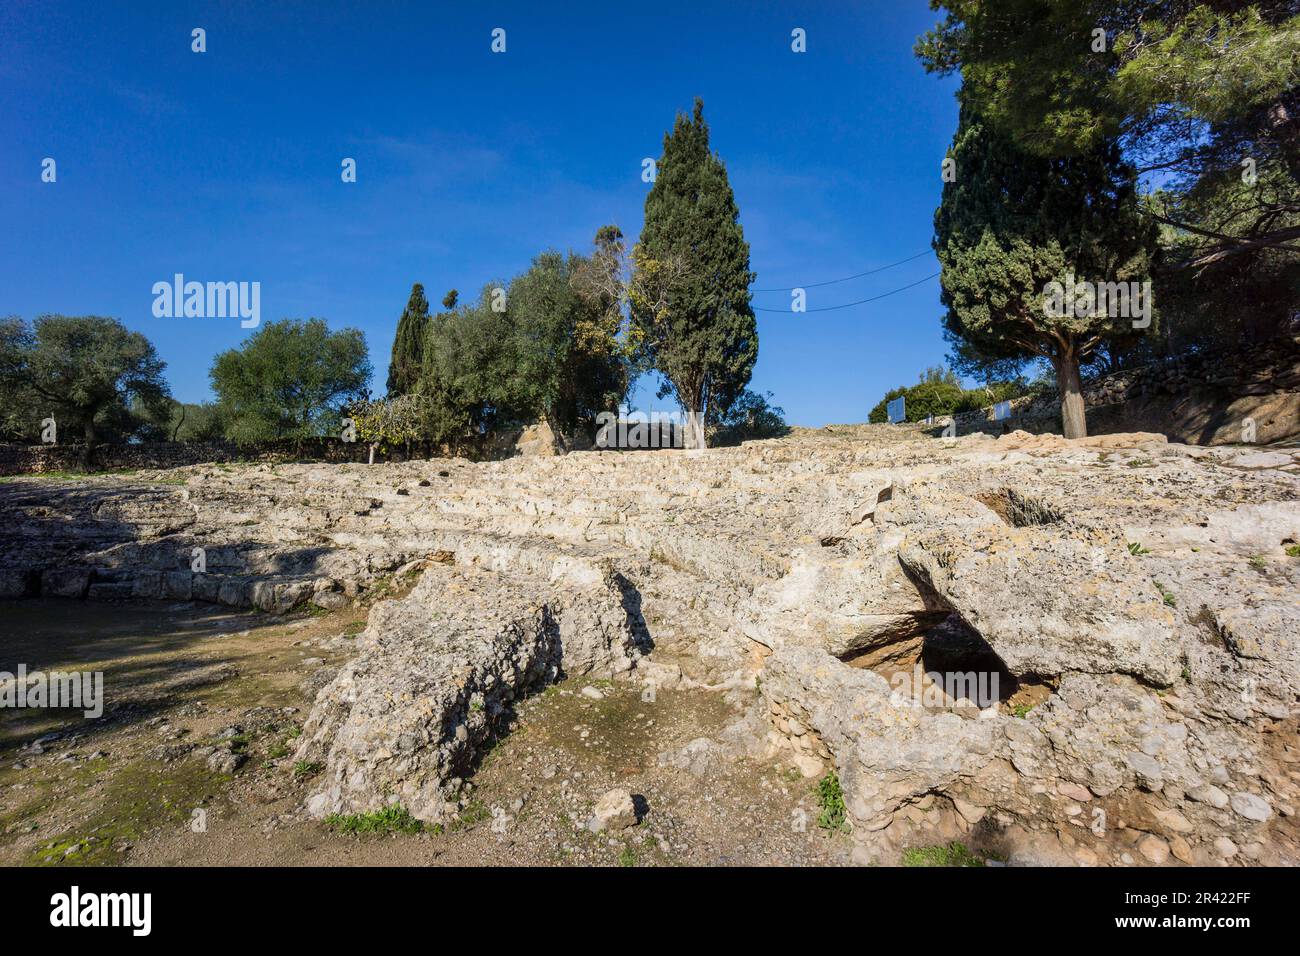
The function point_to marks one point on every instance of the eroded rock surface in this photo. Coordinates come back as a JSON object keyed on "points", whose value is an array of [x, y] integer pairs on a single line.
{"points": [[438, 672], [1135, 600]]}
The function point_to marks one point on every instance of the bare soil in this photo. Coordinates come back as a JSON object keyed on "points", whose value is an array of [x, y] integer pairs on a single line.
{"points": [[135, 787]]}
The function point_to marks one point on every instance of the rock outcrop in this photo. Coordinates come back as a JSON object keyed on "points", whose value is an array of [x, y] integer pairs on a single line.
{"points": [[438, 672], [1084, 650]]}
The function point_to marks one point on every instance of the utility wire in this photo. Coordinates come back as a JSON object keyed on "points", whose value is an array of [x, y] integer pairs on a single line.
{"points": [[815, 285], [832, 308]]}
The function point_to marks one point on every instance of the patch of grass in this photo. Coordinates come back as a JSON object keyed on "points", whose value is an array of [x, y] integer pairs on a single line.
{"points": [[137, 799], [306, 768], [354, 628], [391, 819], [1293, 551], [627, 857], [1258, 562], [1021, 710], [830, 798], [475, 812], [1135, 548], [276, 751], [1167, 594], [952, 854]]}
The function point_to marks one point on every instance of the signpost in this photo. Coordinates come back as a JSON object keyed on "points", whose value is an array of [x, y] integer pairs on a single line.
{"points": [[896, 410]]}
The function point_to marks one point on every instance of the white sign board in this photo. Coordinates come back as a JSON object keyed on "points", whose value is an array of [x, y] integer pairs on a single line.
{"points": [[896, 410], [1001, 410]]}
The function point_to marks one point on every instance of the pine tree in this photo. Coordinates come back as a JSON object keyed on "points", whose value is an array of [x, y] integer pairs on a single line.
{"points": [[408, 344], [1013, 223], [700, 333]]}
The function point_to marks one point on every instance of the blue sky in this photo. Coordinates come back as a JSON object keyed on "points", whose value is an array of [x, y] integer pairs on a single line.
{"points": [[225, 165]]}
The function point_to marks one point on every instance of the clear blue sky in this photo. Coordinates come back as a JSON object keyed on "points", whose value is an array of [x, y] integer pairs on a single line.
{"points": [[225, 165]]}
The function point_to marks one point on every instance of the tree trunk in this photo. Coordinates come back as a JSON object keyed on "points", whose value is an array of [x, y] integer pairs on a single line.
{"points": [[88, 453], [372, 454], [695, 429], [1074, 421]]}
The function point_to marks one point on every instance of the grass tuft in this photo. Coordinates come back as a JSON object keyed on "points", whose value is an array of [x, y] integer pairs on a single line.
{"points": [[952, 854], [391, 819]]}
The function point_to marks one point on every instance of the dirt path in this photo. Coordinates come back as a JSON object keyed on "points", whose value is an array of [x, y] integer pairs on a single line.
{"points": [[144, 784]]}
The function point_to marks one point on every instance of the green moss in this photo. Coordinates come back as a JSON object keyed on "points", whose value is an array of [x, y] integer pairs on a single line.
{"points": [[952, 854], [137, 799]]}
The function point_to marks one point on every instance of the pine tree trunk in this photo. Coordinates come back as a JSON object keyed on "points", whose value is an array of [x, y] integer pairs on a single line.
{"points": [[1074, 420], [695, 429], [372, 454]]}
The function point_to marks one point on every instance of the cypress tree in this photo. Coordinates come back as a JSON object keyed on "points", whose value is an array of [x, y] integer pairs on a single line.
{"points": [[408, 344], [701, 333], [1013, 223]]}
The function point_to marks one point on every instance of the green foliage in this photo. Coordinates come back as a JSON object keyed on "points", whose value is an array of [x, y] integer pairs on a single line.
{"points": [[569, 363], [698, 328], [1010, 224], [389, 422], [1191, 91], [939, 393], [557, 350], [408, 344], [751, 417], [1166, 595], [391, 819], [830, 800], [180, 421], [952, 854], [1135, 548], [94, 377], [1035, 68], [290, 380], [469, 381]]}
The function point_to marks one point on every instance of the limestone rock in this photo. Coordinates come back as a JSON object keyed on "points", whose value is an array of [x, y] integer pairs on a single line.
{"points": [[614, 811]]}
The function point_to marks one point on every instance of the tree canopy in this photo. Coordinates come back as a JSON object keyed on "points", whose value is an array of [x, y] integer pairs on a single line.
{"points": [[408, 343], [290, 380], [97, 379], [1204, 101], [701, 334], [1010, 224]]}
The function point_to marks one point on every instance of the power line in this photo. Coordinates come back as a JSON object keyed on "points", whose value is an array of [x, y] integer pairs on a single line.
{"points": [[815, 285], [846, 305]]}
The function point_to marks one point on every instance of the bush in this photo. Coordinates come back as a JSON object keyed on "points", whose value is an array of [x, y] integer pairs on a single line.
{"points": [[751, 417]]}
